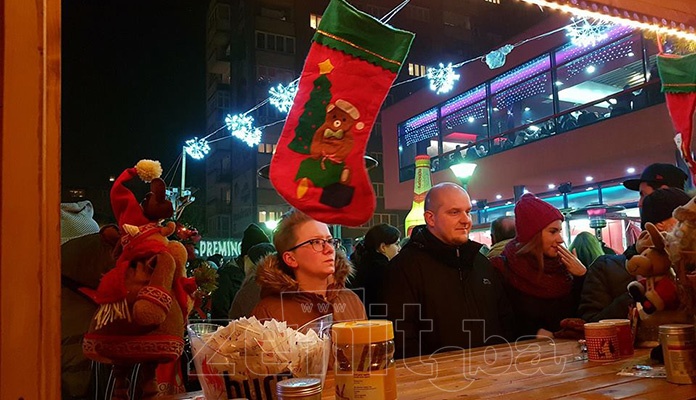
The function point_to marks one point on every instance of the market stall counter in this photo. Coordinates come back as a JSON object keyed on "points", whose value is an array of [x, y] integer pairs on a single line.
{"points": [[538, 369]]}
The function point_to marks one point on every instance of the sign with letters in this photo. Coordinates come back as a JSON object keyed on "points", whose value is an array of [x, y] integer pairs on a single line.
{"points": [[225, 247]]}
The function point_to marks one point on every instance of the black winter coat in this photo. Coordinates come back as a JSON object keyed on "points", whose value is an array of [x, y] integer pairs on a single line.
{"points": [[604, 294], [369, 280], [450, 297]]}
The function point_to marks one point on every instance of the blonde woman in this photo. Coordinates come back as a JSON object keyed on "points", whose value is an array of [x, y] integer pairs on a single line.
{"points": [[306, 278]]}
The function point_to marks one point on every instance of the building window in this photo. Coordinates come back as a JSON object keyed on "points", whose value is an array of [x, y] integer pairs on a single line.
{"points": [[228, 196], [416, 69], [377, 218], [273, 42], [224, 226], [376, 11], [530, 102], [314, 20], [275, 13], [377, 156], [378, 187], [453, 19], [418, 13], [265, 216], [274, 75], [77, 193], [223, 100], [267, 148]]}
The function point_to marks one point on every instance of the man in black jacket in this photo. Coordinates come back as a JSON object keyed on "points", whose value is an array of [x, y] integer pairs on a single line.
{"points": [[441, 293], [654, 176]]}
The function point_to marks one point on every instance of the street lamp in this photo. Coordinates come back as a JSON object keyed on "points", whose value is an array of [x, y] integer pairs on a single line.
{"points": [[463, 171], [180, 198], [197, 149]]}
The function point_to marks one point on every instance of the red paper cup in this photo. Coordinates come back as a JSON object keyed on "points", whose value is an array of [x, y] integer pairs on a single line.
{"points": [[602, 341], [624, 334]]}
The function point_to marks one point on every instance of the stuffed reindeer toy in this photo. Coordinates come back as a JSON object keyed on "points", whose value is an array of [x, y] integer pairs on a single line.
{"points": [[144, 301]]}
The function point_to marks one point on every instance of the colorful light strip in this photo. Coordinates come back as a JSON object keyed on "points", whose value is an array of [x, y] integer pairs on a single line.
{"points": [[619, 16]]}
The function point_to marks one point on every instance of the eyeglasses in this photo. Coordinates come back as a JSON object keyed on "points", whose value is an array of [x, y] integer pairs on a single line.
{"points": [[318, 245]]}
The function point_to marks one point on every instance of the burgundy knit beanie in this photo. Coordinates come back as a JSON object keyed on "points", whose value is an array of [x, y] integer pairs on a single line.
{"points": [[532, 215]]}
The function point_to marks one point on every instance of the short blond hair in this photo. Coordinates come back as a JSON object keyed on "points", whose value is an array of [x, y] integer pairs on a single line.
{"points": [[285, 234]]}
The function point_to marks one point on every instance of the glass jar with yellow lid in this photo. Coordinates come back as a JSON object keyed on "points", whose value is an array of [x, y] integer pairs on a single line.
{"points": [[364, 360]]}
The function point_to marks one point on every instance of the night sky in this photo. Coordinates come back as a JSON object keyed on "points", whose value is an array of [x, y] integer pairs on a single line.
{"points": [[133, 85]]}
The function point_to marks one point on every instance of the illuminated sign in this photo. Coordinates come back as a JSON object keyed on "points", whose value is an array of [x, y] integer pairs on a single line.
{"points": [[224, 247]]}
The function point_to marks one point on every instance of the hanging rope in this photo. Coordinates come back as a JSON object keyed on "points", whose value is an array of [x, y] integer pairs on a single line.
{"points": [[388, 16]]}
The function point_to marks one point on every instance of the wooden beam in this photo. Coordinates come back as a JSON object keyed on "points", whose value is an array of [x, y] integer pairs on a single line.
{"points": [[29, 200]]}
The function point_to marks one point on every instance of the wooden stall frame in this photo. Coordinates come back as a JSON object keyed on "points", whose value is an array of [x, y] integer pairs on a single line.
{"points": [[30, 82]]}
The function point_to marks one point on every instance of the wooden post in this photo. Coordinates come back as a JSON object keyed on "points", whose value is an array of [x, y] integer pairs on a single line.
{"points": [[29, 199]]}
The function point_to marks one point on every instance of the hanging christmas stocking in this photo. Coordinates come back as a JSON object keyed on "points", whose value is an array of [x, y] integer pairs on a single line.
{"points": [[678, 75], [318, 166]]}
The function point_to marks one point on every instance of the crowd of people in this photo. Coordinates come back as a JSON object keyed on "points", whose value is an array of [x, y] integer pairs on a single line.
{"points": [[442, 290]]}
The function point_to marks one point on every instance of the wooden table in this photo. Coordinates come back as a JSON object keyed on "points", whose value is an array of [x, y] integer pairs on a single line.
{"points": [[539, 369]]}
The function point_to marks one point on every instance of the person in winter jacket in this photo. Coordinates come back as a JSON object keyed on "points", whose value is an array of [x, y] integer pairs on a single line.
{"points": [[441, 292], [371, 257], [502, 232], [231, 274], [306, 279], [604, 294], [250, 293], [538, 271]]}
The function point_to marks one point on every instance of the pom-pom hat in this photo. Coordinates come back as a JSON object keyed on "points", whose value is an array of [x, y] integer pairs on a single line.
{"points": [[532, 215], [123, 202], [137, 222]]}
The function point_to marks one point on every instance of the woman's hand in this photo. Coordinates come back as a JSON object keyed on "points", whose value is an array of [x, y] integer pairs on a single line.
{"points": [[571, 261]]}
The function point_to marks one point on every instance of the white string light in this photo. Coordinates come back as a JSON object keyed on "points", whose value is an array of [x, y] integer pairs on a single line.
{"points": [[622, 17], [442, 78], [242, 127], [197, 148], [586, 32], [282, 97]]}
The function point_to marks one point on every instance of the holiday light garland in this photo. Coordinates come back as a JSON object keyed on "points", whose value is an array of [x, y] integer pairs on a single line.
{"points": [[586, 32], [242, 127], [587, 29], [282, 97], [442, 78], [196, 148]]}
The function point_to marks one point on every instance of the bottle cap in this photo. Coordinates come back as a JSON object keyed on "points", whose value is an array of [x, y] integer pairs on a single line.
{"points": [[676, 328], [298, 387]]}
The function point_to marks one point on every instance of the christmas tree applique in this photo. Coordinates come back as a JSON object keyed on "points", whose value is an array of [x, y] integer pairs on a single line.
{"points": [[314, 110]]}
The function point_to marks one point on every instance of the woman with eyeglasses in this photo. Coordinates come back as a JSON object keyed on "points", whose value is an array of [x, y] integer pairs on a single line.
{"points": [[306, 278]]}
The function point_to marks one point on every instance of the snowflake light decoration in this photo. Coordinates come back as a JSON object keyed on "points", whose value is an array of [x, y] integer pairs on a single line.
{"points": [[282, 97], [242, 127], [197, 148], [586, 32], [442, 78]]}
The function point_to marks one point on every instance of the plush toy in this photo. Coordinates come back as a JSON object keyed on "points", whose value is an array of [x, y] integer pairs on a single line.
{"points": [[144, 301], [681, 247], [656, 290]]}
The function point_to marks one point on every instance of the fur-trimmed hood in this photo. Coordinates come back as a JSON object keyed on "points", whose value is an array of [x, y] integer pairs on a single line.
{"points": [[273, 280]]}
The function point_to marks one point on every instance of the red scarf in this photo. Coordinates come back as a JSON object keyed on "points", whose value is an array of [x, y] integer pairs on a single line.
{"points": [[521, 272]]}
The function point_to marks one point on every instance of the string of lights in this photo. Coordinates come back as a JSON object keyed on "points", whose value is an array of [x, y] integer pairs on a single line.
{"points": [[587, 29]]}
